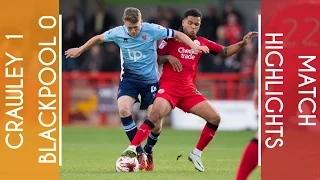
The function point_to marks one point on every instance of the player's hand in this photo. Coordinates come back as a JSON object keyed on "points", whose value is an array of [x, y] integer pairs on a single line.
{"points": [[204, 49], [247, 38], [73, 53], [175, 63]]}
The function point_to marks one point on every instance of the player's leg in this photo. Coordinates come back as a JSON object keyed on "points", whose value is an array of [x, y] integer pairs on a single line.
{"points": [[148, 93], [161, 107], [202, 108], [151, 142], [153, 136], [127, 94], [249, 159], [155, 133], [147, 99]]}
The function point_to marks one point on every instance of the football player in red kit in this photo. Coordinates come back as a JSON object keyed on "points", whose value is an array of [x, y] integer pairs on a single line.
{"points": [[177, 88]]}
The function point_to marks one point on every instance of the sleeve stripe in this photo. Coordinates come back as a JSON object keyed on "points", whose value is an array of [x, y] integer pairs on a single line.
{"points": [[170, 33]]}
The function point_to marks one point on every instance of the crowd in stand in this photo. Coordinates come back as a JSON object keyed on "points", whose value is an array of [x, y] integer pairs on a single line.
{"points": [[225, 28]]}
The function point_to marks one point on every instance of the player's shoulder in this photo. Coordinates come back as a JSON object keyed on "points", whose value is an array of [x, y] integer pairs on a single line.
{"points": [[116, 30], [171, 41], [201, 39], [205, 40], [148, 25]]}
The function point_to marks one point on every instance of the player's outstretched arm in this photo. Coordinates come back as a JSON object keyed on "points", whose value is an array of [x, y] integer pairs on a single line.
{"points": [[185, 39], [235, 48], [76, 52]]}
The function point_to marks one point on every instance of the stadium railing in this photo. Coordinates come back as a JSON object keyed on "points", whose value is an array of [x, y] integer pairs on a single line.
{"points": [[215, 86]]}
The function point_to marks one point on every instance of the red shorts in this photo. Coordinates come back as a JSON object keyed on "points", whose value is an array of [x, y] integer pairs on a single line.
{"points": [[182, 97]]}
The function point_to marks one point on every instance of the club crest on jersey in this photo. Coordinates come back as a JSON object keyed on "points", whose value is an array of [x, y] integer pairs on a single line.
{"points": [[144, 37]]}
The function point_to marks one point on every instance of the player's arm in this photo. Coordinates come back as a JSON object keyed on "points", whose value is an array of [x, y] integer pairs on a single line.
{"points": [[232, 49], [163, 33], [162, 52], [108, 36], [175, 63], [163, 57], [95, 40], [185, 39], [235, 48]]}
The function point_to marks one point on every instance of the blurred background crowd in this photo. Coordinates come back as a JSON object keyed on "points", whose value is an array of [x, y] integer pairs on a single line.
{"points": [[225, 27]]}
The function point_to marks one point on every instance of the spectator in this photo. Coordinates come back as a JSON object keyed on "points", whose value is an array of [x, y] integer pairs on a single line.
{"points": [[79, 21], [70, 39], [173, 18], [100, 21], [93, 61], [229, 9], [248, 59], [112, 61], [233, 30], [209, 24]]}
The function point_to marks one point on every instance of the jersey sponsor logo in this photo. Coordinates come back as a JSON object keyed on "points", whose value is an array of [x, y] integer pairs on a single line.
{"points": [[135, 55], [161, 91], [187, 53]]}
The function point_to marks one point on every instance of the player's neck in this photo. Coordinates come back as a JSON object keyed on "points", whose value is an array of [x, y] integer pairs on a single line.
{"points": [[191, 37]]}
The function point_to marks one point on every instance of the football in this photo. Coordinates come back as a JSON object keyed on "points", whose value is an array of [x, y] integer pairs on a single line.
{"points": [[127, 164]]}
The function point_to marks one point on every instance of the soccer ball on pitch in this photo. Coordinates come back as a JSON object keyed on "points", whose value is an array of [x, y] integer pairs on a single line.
{"points": [[127, 164]]}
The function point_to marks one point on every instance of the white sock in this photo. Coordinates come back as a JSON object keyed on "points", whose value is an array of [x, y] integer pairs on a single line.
{"points": [[197, 152], [132, 147]]}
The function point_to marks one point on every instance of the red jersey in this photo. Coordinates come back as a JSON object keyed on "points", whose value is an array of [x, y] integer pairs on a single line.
{"points": [[189, 60]]}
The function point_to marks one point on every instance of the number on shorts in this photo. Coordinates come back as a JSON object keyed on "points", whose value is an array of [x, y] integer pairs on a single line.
{"points": [[153, 89]]}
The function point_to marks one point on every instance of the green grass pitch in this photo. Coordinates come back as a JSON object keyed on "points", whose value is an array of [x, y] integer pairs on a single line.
{"points": [[90, 154]]}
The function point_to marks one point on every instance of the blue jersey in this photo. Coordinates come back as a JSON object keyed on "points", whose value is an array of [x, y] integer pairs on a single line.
{"points": [[139, 54]]}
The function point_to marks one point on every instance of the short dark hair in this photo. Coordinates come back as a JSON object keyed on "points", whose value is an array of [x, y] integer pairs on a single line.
{"points": [[131, 14], [193, 12]]}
